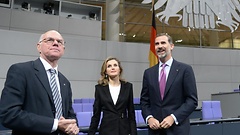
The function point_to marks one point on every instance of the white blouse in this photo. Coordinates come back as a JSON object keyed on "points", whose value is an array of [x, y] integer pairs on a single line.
{"points": [[114, 91]]}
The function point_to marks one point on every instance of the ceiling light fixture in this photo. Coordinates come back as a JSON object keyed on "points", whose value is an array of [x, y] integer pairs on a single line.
{"points": [[178, 41]]}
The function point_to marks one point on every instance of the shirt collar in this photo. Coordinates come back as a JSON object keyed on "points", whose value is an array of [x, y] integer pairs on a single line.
{"points": [[169, 62], [47, 66]]}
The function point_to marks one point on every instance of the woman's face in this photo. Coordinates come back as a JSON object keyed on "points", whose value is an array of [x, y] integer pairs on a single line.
{"points": [[113, 69]]}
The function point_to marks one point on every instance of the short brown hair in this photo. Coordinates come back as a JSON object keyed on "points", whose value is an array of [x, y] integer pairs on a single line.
{"points": [[170, 40]]}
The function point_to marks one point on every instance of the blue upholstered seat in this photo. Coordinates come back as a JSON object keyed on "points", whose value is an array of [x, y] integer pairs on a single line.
{"points": [[77, 107], [139, 119], [87, 107], [211, 110], [136, 100], [84, 120]]}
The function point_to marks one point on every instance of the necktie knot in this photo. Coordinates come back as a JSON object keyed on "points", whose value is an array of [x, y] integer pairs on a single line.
{"points": [[52, 71], [163, 65]]}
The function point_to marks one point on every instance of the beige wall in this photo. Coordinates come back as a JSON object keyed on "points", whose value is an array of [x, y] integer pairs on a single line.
{"points": [[216, 70]]}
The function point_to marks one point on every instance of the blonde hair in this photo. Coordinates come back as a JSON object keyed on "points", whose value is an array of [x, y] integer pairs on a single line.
{"points": [[104, 77]]}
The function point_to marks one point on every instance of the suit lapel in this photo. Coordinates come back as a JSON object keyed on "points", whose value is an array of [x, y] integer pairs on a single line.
{"points": [[121, 93], [108, 94], [42, 76], [155, 80], [172, 75]]}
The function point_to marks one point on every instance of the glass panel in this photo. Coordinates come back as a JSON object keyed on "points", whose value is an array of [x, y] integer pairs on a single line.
{"points": [[236, 39], [137, 28]]}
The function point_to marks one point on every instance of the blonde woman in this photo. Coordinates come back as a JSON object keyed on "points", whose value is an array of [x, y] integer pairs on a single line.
{"points": [[114, 98]]}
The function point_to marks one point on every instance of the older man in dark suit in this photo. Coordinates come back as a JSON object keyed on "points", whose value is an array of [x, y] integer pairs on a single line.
{"points": [[28, 105], [169, 93]]}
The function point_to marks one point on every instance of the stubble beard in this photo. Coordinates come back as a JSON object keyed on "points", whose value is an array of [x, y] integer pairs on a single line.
{"points": [[161, 56]]}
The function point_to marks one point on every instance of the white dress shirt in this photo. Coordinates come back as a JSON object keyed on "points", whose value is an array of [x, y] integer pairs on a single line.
{"points": [[47, 66]]}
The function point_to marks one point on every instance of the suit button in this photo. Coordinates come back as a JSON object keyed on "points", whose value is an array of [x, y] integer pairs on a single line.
{"points": [[122, 116]]}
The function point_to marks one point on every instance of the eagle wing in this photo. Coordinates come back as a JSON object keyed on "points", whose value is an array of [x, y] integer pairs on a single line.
{"points": [[200, 13]]}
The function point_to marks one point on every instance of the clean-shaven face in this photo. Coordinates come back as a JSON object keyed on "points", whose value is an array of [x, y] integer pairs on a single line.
{"points": [[113, 69]]}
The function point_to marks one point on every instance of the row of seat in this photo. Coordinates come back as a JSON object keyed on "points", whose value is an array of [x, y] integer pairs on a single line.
{"points": [[91, 100], [82, 107], [86, 104], [88, 107], [210, 109], [84, 120], [83, 100]]}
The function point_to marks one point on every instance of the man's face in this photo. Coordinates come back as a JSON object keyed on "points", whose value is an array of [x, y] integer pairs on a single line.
{"points": [[51, 46], [163, 48]]}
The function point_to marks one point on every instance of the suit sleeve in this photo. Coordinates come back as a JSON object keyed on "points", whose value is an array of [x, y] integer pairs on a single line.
{"points": [[71, 114], [96, 113], [144, 98], [12, 113], [190, 94], [131, 112]]}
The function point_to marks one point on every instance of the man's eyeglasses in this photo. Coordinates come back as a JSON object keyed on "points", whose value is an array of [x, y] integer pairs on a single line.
{"points": [[51, 41]]}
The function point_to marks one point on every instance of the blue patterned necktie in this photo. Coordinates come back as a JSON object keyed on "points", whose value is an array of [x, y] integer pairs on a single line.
{"points": [[55, 93]]}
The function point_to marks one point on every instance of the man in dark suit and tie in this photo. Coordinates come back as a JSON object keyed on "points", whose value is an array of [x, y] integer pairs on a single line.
{"points": [[169, 93], [28, 105]]}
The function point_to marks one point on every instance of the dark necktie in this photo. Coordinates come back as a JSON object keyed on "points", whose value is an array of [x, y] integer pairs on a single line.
{"points": [[162, 82], [55, 93]]}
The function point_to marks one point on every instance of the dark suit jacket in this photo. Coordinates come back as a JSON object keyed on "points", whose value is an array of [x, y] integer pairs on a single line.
{"points": [[27, 105], [180, 97], [117, 119]]}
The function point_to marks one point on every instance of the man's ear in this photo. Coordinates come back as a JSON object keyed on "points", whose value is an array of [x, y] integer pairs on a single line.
{"points": [[39, 48], [172, 46]]}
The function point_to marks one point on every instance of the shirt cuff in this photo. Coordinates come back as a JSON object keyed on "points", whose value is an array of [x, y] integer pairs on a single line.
{"points": [[175, 119], [149, 116], [55, 125]]}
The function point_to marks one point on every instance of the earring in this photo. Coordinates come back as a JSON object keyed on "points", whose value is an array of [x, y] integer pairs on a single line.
{"points": [[106, 76]]}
